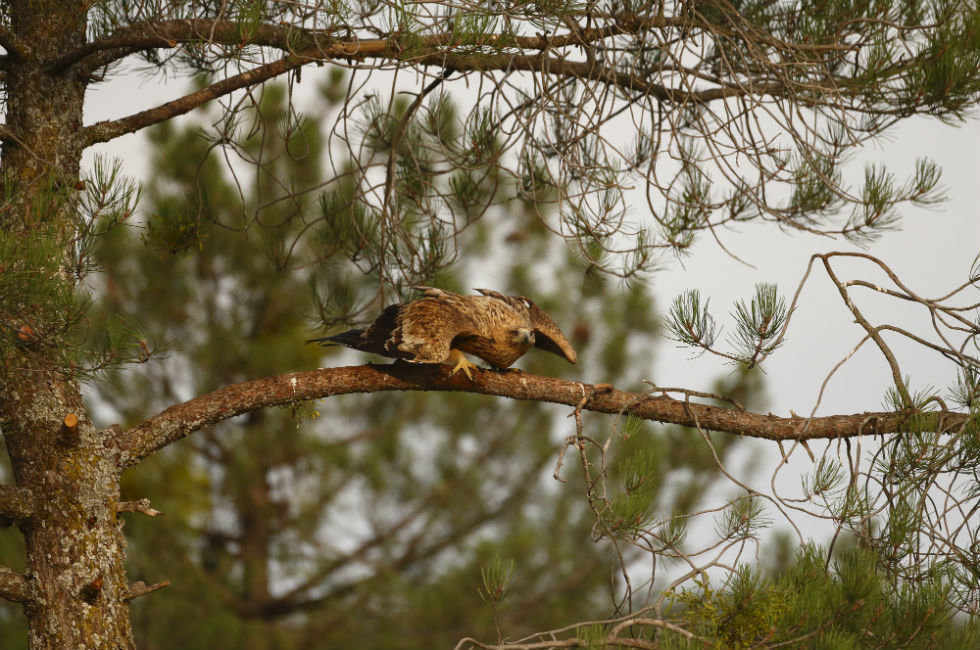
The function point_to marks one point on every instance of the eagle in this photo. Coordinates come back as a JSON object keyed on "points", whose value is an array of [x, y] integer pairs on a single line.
{"points": [[441, 326]]}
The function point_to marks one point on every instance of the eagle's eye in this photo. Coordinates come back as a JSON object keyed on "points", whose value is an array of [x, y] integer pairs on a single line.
{"points": [[522, 335]]}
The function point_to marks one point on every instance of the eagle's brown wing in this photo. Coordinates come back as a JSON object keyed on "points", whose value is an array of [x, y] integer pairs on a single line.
{"points": [[421, 331], [426, 328], [547, 335]]}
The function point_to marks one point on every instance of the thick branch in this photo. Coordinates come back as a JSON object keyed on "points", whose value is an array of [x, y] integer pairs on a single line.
{"points": [[14, 586], [182, 419], [14, 45], [171, 33], [110, 129], [289, 38], [305, 46], [15, 504]]}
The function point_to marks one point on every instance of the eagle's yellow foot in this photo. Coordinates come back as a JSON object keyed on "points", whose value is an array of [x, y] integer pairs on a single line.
{"points": [[462, 363]]}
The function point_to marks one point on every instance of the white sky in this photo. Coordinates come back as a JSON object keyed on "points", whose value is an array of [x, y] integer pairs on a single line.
{"points": [[931, 254]]}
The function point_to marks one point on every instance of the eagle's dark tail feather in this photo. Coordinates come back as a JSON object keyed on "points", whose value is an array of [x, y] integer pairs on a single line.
{"points": [[374, 339], [350, 338]]}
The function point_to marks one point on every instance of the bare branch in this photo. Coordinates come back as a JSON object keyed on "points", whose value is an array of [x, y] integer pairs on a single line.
{"points": [[183, 419], [14, 586], [109, 129], [140, 505], [16, 504], [140, 588], [513, 53], [873, 332]]}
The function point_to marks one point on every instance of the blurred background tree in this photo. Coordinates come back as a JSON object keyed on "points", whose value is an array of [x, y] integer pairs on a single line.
{"points": [[366, 526]]}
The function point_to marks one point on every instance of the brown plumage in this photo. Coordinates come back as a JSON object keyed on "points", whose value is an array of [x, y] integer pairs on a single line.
{"points": [[442, 325]]}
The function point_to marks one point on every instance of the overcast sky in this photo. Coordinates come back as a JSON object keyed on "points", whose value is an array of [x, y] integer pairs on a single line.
{"points": [[931, 253]]}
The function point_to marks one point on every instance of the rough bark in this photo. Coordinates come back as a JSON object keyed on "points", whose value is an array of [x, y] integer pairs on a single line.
{"points": [[74, 587], [77, 589]]}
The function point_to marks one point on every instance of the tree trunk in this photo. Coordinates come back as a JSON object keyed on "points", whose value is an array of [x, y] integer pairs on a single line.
{"points": [[75, 547], [77, 595]]}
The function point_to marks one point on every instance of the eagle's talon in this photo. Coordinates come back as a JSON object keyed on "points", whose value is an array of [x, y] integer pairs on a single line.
{"points": [[462, 363]]}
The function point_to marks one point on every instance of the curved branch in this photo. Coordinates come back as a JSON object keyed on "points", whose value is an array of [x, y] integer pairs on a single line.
{"points": [[14, 586], [110, 129], [183, 419]]}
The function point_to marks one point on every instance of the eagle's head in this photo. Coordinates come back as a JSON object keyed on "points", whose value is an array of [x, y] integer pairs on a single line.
{"points": [[522, 337]]}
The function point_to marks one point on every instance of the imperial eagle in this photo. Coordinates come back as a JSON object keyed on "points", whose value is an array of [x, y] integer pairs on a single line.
{"points": [[441, 326]]}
